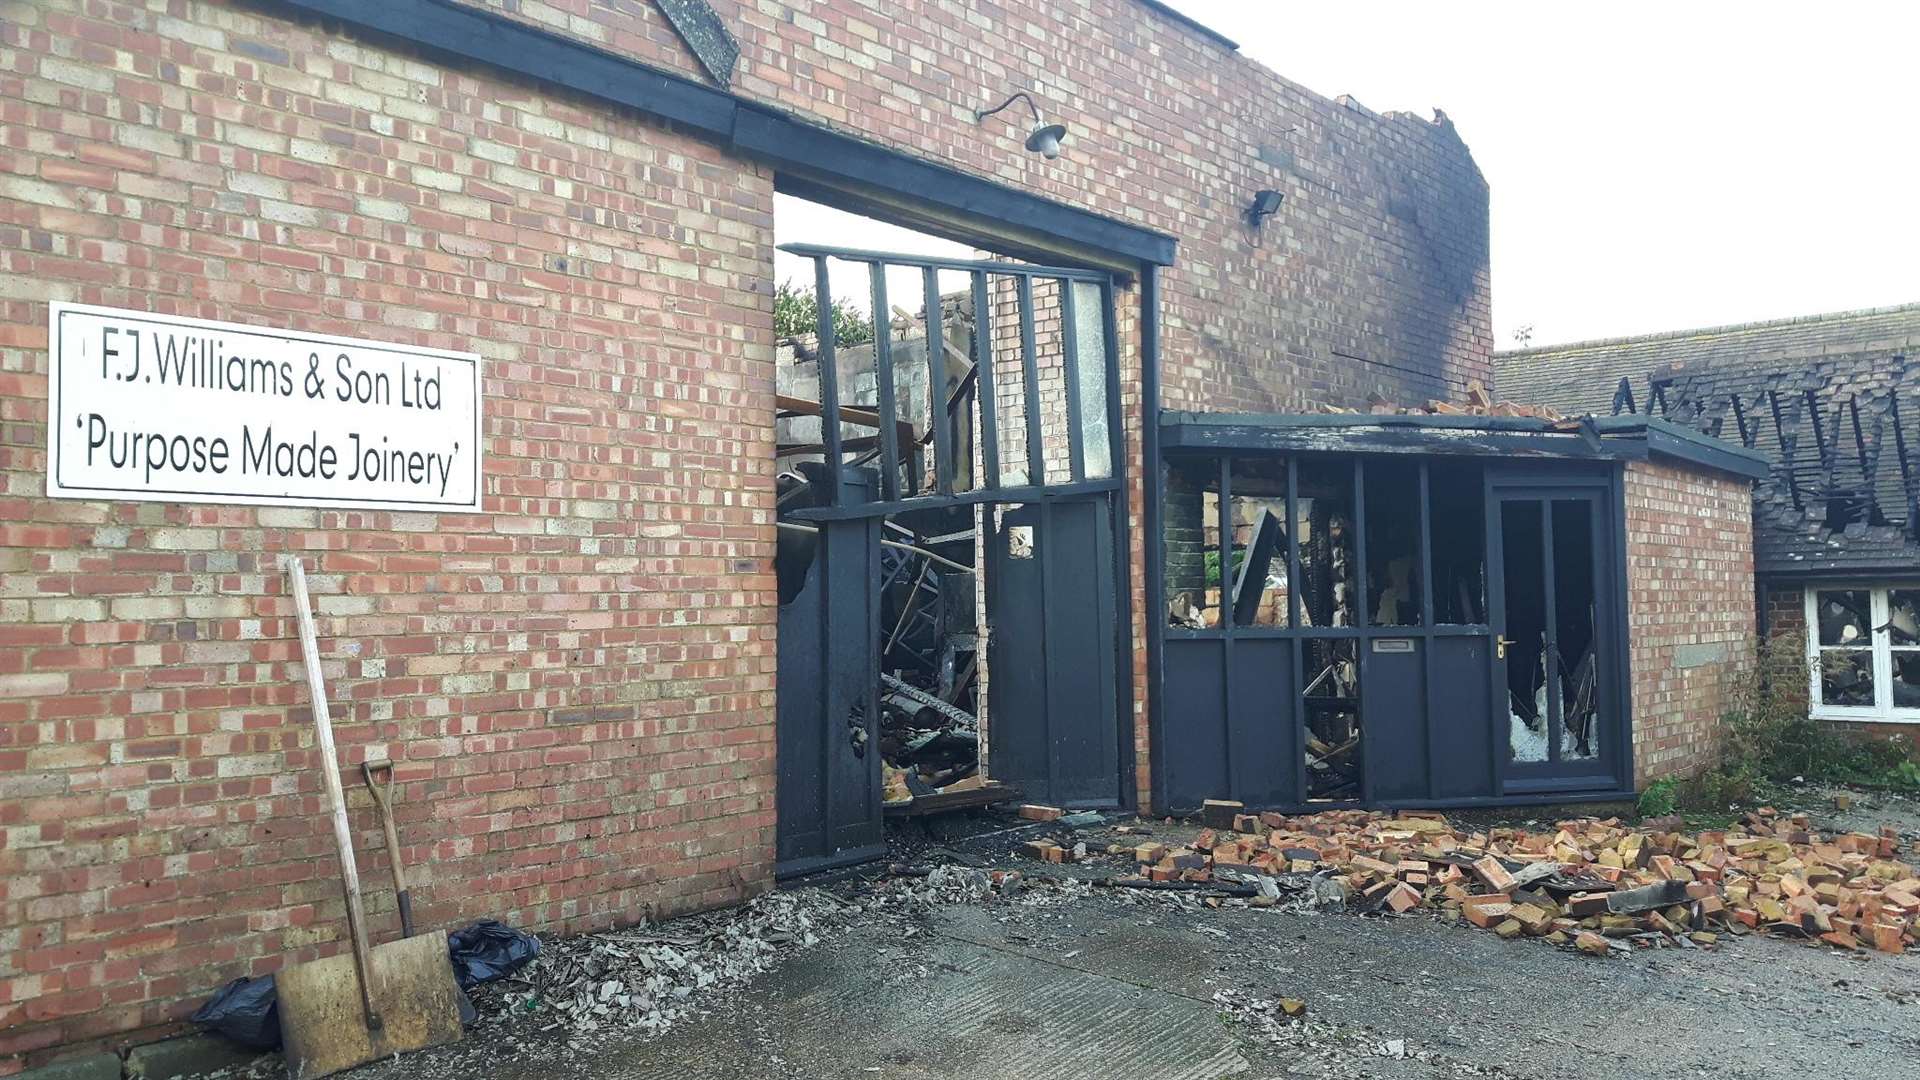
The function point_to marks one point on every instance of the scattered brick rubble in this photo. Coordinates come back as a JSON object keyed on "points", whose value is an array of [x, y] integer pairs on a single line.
{"points": [[1595, 885], [1478, 402]]}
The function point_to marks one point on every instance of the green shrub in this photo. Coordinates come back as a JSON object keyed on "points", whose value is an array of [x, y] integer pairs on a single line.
{"points": [[1658, 799], [1716, 789], [1769, 735]]}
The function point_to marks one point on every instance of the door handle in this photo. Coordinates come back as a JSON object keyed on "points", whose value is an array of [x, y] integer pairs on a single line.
{"points": [[1500, 647]]}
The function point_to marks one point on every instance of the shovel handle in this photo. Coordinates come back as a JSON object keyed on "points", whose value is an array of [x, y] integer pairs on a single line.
{"points": [[383, 798], [336, 795]]}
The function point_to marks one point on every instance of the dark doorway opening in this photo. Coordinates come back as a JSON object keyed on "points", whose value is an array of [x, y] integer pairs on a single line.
{"points": [[972, 409], [1556, 639]]}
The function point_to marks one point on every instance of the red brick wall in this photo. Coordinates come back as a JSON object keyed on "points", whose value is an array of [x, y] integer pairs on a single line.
{"points": [[577, 681], [1689, 610], [1373, 276]]}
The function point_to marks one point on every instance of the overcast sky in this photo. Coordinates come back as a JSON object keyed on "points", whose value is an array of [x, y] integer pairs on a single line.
{"points": [[1653, 166]]}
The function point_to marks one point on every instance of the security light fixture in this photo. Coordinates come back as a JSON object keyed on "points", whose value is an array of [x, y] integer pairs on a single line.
{"points": [[1044, 139], [1266, 203]]}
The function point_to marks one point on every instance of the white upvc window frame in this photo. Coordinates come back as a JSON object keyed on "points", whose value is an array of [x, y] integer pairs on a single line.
{"points": [[1879, 647]]}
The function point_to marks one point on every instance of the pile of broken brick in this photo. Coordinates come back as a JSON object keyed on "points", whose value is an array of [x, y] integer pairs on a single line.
{"points": [[1478, 402], [1595, 885]]}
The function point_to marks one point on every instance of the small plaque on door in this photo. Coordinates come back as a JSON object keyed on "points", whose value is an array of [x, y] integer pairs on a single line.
{"points": [[1393, 644]]}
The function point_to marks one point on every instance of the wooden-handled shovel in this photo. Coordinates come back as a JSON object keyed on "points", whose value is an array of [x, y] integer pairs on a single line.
{"points": [[343, 1011], [383, 798]]}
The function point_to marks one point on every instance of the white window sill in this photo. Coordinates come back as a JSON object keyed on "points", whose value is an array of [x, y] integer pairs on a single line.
{"points": [[1866, 716]]}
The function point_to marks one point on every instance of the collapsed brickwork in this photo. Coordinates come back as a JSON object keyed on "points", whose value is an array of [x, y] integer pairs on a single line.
{"points": [[1689, 611], [578, 679]]}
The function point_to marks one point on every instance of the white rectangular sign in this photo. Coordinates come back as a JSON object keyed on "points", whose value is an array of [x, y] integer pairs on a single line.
{"points": [[160, 408]]}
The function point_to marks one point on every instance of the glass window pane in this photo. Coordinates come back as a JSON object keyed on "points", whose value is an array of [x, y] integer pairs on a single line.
{"points": [[1393, 543], [1577, 668], [1259, 542], [1903, 616], [1324, 507], [1906, 679], [1090, 343], [1457, 524], [1846, 678], [1190, 519], [1844, 616]]}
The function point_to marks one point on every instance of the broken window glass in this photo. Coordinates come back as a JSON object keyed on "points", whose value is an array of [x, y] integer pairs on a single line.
{"points": [[1906, 678], [1844, 616], [1903, 617], [1903, 641], [1324, 509], [1846, 677], [1457, 523], [1393, 543], [1090, 366], [1190, 518], [1844, 636], [1259, 542], [1331, 713], [1575, 646], [1529, 711]]}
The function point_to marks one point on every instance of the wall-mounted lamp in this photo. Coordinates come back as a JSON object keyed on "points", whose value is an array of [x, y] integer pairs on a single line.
{"points": [[1266, 203], [1044, 139]]}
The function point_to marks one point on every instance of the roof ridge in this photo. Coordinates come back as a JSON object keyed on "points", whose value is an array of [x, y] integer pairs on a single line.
{"points": [[1669, 335]]}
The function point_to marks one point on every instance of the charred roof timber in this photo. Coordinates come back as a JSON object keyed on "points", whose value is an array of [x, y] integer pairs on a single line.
{"points": [[1829, 400], [1844, 490]]}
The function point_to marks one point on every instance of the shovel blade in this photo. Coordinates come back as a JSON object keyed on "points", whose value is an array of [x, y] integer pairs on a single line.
{"points": [[324, 1024]]}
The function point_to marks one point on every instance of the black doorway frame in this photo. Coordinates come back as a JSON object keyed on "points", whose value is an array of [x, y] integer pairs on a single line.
{"points": [[1046, 484], [1605, 494]]}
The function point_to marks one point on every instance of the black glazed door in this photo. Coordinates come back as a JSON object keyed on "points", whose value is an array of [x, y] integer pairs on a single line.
{"points": [[1555, 697]]}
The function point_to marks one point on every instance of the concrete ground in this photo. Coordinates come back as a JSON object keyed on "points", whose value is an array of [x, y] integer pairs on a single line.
{"points": [[1107, 983]]}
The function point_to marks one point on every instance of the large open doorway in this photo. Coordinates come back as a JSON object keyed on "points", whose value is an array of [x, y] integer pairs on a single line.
{"points": [[951, 508]]}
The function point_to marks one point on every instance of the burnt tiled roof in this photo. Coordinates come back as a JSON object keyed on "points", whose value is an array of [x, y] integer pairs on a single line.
{"points": [[1581, 377], [1832, 400]]}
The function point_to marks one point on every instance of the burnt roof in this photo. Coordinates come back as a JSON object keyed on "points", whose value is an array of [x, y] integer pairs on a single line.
{"points": [[1582, 376], [1833, 401]]}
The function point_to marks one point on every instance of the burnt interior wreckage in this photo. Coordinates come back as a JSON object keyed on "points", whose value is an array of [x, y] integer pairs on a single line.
{"points": [[952, 598], [1397, 609]]}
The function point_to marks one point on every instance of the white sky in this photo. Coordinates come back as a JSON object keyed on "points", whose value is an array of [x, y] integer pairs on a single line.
{"points": [[1653, 166]]}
